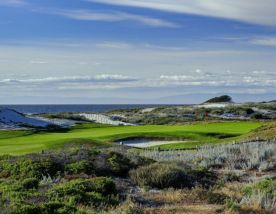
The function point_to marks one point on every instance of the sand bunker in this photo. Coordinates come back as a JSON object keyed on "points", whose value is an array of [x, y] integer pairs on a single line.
{"points": [[145, 143]]}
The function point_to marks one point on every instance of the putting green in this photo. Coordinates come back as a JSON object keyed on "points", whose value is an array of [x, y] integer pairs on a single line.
{"points": [[22, 142]]}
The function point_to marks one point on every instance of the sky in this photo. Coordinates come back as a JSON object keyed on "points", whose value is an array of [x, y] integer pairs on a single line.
{"points": [[136, 51]]}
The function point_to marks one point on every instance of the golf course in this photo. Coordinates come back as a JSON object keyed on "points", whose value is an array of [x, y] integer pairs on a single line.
{"points": [[20, 142]]}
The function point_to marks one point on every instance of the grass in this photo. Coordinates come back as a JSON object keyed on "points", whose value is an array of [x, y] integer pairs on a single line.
{"points": [[13, 134], [184, 145], [264, 132], [22, 142]]}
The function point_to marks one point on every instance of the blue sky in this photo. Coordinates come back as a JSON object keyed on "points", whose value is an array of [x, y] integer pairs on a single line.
{"points": [[136, 51]]}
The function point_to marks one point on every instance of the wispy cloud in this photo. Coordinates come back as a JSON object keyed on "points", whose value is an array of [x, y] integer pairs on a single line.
{"points": [[114, 77], [233, 79], [103, 78], [115, 45], [251, 11], [12, 2], [38, 62], [113, 16], [266, 41], [149, 70]]}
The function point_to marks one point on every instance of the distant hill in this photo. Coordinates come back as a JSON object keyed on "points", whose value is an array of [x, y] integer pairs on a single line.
{"points": [[221, 99]]}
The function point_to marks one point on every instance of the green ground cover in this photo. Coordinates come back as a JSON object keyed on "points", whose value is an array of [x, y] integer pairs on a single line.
{"points": [[22, 142]]}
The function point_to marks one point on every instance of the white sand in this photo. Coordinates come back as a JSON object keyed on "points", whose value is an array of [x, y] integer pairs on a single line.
{"points": [[144, 143], [214, 105], [99, 118], [65, 123], [13, 119], [146, 110]]}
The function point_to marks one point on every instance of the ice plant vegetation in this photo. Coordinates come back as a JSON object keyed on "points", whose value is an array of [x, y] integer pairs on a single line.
{"points": [[250, 155]]}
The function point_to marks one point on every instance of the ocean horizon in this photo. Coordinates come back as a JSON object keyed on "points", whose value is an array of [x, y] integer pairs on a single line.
{"points": [[75, 108]]}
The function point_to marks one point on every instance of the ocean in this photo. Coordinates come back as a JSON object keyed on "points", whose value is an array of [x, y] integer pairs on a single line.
{"points": [[39, 109]]}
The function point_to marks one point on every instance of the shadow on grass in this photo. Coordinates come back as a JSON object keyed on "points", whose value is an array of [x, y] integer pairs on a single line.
{"points": [[56, 130], [219, 135], [77, 142]]}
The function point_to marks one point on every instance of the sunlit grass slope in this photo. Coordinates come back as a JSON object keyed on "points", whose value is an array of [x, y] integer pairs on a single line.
{"points": [[22, 142]]}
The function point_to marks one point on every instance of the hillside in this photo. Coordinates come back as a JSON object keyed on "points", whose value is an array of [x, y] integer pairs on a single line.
{"points": [[221, 99], [81, 179]]}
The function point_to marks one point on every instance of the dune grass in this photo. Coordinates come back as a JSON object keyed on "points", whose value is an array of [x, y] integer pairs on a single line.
{"points": [[22, 142]]}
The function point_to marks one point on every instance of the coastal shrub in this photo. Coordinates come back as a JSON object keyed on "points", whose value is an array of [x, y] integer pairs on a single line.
{"points": [[216, 198], [128, 207], [249, 111], [24, 209], [30, 183], [199, 194], [258, 200], [47, 208], [5, 169], [266, 186], [230, 177], [21, 197], [83, 166], [165, 175], [257, 116], [8, 188], [203, 177], [94, 192], [65, 115], [260, 196], [120, 165], [246, 156], [140, 161], [57, 207], [29, 168], [162, 175], [232, 206]]}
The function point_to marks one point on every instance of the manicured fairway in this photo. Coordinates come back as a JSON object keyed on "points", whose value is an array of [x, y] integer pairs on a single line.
{"points": [[22, 142]]}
